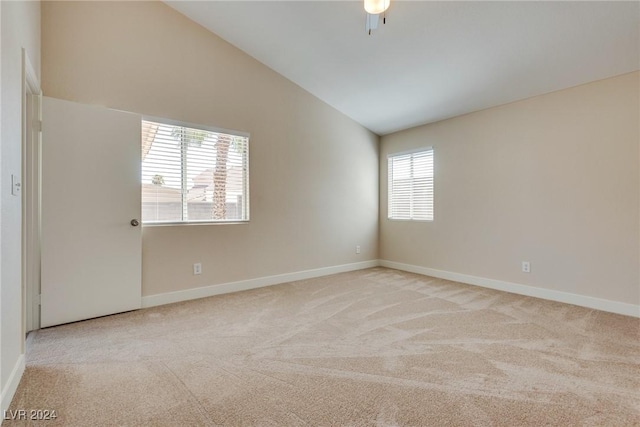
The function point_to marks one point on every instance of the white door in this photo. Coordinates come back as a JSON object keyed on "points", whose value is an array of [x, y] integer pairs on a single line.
{"points": [[91, 252]]}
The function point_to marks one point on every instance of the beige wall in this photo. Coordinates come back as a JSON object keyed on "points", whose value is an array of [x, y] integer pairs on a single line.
{"points": [[20, 28], [552, 180], [313, 171]]}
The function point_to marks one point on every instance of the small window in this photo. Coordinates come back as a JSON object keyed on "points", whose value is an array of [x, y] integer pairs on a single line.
{"points": [[411, 185], [192, 175]]}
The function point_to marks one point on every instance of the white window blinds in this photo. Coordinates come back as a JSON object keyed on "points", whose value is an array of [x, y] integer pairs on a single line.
{"points": [[193, 175], [411, 185]]}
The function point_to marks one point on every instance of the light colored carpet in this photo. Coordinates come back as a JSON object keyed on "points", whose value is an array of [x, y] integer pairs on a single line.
{"points": [[373, 347]]}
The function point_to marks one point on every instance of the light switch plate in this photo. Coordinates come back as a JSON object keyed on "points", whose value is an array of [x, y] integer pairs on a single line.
{"points": [[16, 185]]}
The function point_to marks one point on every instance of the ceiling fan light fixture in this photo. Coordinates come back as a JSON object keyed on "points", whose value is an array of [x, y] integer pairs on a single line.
{"points": [[376, 7]]}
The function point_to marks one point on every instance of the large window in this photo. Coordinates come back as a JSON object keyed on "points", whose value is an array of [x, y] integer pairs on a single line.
{"points": [[193, 175], [411, 185]]}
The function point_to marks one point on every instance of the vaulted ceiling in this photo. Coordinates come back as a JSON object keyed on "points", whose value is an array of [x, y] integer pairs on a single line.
{"points": [[432, 60]]}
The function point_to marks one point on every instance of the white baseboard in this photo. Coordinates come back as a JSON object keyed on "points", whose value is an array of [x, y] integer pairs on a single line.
{"points": [[12, 385], [243, 285], [514, 288]]}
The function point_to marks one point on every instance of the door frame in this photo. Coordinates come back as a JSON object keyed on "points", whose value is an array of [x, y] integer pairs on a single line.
{"points": [[31, 195]]}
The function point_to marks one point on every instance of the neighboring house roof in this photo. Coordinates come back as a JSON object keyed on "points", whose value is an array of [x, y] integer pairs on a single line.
{"points": [[234, 180], [157, 193]]}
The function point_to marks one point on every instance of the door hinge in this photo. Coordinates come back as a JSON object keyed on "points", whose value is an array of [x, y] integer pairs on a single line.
{"points": [[39, 299], [37, 125]]}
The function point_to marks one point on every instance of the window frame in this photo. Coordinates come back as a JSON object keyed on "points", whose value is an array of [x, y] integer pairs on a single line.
{"points": [[208, 128], [390, 156]]}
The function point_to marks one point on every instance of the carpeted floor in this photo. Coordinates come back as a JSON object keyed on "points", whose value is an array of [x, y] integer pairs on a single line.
{"points": [[374, 347]]}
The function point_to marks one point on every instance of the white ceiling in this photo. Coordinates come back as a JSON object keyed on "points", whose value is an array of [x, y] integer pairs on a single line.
{"points": [[432, 60]]}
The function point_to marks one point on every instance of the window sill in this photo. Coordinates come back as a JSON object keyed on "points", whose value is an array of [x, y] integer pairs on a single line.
{"points": [[173, 224], [409, 220]]}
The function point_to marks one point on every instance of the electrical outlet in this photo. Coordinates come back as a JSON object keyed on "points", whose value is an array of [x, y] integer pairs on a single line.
{"points": [[358, 249], [197, 268], [526, 267], [15, 185]]}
